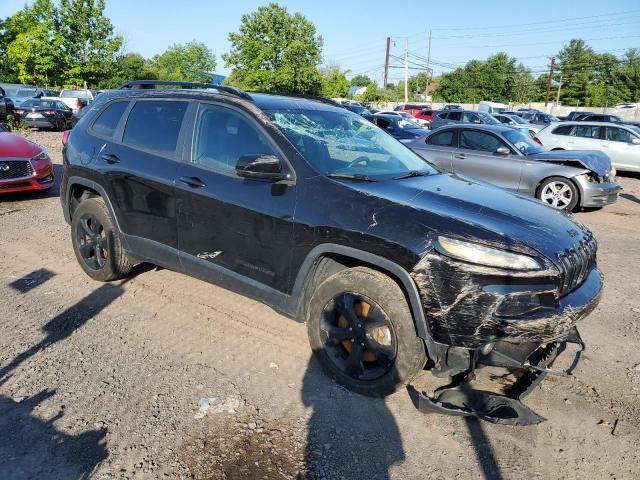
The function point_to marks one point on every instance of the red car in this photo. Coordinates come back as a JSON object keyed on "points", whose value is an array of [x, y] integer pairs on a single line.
{"points": [[24, 166], [410, 108], [426, 114]]}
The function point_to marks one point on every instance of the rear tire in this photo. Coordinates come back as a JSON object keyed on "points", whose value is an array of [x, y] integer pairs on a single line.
{"points": [[96, 243], [361, 331], [559, 192]]}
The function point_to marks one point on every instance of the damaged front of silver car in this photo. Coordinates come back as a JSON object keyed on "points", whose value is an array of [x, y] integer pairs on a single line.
{"points": [[499, 319]]}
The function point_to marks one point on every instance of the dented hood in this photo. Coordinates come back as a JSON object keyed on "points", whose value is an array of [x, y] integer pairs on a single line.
{"points": [[593, 160], [449, 204]]}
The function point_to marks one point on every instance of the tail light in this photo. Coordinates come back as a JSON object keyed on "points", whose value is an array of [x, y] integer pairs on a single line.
{"points": [[50, 112], [19, 111], [65, 136], [537, 140], [78, 104]]}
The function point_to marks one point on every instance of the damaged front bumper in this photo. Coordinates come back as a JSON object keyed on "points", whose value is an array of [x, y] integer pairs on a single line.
{"points": [[499, 401], [506, 326], [470, 306]]}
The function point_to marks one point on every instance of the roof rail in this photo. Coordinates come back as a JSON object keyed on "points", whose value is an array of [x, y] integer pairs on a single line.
{"points": [[141, 84], [317, 98]]}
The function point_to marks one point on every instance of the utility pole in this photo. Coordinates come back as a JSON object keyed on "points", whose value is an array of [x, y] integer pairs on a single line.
{"points": [[386, 64], [558, 94], [426, 89], [546, 97], [406, 69]]}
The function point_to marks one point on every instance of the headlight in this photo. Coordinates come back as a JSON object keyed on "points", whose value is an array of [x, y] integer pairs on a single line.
{"points": [[41, 156], [491, 257], [406, 140]]}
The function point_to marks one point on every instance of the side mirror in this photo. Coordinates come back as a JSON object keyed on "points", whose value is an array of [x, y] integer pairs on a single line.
{"points": [[266, 167], [635, 141], [503, 151]]}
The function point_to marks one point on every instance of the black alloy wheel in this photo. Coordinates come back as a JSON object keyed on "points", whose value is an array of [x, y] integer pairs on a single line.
{"points": [[359, 336], [92, 241]]}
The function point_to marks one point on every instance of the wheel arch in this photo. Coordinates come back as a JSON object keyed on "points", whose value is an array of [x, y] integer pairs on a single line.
{"points": [[569, 179], [326, 259], [79, 188]]}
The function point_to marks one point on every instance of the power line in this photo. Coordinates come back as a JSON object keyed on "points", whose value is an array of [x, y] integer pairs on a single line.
{"points": [[545, 22]]}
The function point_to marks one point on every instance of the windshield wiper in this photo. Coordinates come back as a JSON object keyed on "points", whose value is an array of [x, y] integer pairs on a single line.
{"points": [[412, 173], [350, 176]]}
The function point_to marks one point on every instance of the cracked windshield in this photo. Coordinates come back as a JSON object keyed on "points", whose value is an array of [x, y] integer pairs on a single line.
{"points": [[342, 143]]}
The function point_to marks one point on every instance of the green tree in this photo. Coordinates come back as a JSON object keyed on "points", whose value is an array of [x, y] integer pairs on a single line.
{"points": [[361, 81], [628, 76], [275, 51], [130, 66], [334, 82], [499, 78], [30, 45], [88, 41], [192, 62], [577, 62]]}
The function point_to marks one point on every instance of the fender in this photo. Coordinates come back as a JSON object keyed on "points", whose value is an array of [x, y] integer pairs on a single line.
{"points": [[396, 270], [93, 186]]}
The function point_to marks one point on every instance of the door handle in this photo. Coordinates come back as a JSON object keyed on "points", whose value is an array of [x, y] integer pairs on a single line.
{"points": [[459, 155], [110, 158], [193, 182]]}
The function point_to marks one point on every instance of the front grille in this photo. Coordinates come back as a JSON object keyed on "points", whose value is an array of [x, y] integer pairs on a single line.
{"points": [[16, 169], [576, 264]]}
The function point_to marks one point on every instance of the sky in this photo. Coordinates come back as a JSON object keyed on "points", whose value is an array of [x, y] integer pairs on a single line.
{"points": [[355, 31]]}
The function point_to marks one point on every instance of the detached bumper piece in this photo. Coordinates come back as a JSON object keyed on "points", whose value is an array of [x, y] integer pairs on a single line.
{"points": [[500, 400]]}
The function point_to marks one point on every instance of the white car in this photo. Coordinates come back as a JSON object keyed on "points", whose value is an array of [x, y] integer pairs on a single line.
{"points": [[620, 142], [408, 116]]}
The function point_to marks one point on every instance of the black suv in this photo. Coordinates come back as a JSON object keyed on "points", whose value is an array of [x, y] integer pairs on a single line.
{"points": [[394, 265]]}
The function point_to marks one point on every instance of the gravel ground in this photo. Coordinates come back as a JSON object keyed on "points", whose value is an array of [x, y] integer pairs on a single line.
{"points": [[164, 376]]}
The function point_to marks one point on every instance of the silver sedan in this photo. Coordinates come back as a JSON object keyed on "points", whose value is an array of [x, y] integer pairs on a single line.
{"points": [[512, 160]]}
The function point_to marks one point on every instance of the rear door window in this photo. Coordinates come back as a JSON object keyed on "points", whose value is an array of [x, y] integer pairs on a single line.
{"points": [[107, 121], [588, 131], [443, 139], [154, 125], [477, 140]]}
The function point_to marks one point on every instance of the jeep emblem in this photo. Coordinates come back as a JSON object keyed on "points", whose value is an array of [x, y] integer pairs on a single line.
{"points": [[4, 167]]}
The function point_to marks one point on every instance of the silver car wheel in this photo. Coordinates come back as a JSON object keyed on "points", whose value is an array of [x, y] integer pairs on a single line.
{"points": [[557, 194]]}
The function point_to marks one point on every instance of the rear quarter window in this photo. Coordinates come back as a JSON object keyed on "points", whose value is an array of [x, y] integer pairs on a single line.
{"points": [[155, 126], [107, 121], [563, 130]]}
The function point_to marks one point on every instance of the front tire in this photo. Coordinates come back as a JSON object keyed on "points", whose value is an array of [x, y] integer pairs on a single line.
{"points": [[559, 192], [362, 332], [96, 243]]}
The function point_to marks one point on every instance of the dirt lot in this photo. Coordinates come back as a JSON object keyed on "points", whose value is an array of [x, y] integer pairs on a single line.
{"points": [[164, 376]]}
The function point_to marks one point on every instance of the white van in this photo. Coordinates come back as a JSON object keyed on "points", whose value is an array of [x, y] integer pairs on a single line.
{"points": [[492, 107]]}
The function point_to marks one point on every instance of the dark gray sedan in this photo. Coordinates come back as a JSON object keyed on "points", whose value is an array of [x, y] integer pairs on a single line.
{"points": [[512, 160]]}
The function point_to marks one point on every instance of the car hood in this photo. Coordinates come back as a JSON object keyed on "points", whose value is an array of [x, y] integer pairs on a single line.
{"points": [[593, 160], [16, 146], [449, 204]]}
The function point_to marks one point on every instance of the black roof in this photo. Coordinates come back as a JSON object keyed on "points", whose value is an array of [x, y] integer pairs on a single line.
{"points": [[264, 101]]}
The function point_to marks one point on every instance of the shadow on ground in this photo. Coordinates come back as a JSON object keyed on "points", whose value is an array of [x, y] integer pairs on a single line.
{"points": [[356, 437], [32, 447], [349, 435]]}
